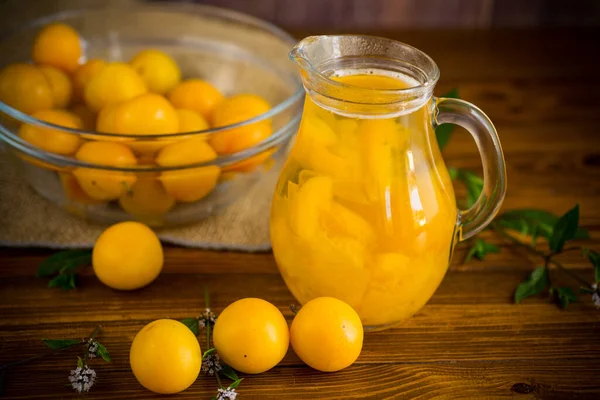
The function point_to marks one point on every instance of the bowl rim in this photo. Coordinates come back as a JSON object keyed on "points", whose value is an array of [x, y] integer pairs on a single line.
{"points": [[171, 7]]}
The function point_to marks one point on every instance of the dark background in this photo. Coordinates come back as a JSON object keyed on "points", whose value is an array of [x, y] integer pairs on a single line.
{"points": [[365, 15], [418, 14]]}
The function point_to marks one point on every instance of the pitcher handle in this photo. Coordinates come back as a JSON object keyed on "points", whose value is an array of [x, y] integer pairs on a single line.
{"points": [[465, 114]]}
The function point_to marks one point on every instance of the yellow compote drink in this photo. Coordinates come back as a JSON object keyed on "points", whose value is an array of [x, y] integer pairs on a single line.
{"points": [[364, 210]]}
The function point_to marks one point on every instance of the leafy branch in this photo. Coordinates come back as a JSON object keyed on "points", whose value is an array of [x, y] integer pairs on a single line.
{"points": [[62, 268], [564, 230], [82, 378], [532, 224]]}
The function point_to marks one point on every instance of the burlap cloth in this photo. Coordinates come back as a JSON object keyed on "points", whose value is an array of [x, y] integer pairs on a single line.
{"points": [[29, 220]]}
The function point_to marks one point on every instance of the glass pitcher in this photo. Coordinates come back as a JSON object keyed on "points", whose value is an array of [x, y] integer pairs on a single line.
{"points": [[364, 209]]}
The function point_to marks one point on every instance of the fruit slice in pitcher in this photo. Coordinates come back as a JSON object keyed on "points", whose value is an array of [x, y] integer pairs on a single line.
{"points": [[336, 268], [314, 210], [382, 141], [343, 222], [311, 200], [311, 150]]}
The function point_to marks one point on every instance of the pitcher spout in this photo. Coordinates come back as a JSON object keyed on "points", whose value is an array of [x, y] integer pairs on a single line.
{"points": [[303, 54]]}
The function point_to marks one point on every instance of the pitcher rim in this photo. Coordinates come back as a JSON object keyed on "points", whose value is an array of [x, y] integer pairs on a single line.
{"points": [[432, 78]]}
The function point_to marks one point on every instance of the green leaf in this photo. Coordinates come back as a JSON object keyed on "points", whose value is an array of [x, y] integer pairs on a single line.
{"points": [[229, 372], [535, 284], [56, 344], [564, 296], [565, 229], [192, 323], [236, 383], [453, 173], [58, 281], [471, 252], [79, 362], [532, 221], [102, 352], [586, 290], [535, 230], [443, 132], [451, 94], [594, 258], [70, 259], [473, 183], [480, 249], [522, 226], [208, 352], [72, 282], [64, 281], [474, 189], [491, 247]]}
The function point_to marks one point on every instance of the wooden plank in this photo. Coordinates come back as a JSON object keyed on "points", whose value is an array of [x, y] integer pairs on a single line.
{"points": [[463, 380]]}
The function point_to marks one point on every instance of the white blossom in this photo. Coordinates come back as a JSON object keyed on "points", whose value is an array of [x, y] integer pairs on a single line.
{"points": [[226, 394], [92, 348], [596, 300], [596, 296], [207, 317], [82, 379], [211, 364]]}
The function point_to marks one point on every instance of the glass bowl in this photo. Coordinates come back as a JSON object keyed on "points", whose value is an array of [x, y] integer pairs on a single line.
{"points": [[235, 52]]}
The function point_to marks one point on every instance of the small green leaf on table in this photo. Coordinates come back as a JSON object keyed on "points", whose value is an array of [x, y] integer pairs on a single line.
{"points": [[230, 373], [535, 230], [62, 261], [443, 132], [563, 296], [594, 258], [480, 249], [56, 344], [192, 323], [79, 362], [473, 183], [533, 222], [236, 383], [102, 352], [565, 229], [62, 268], [453, 172], [64, 281], [535, 284], [208, 352]]}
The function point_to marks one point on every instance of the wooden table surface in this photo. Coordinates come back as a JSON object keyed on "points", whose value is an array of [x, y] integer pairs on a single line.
{"points": [[541, 90]]}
